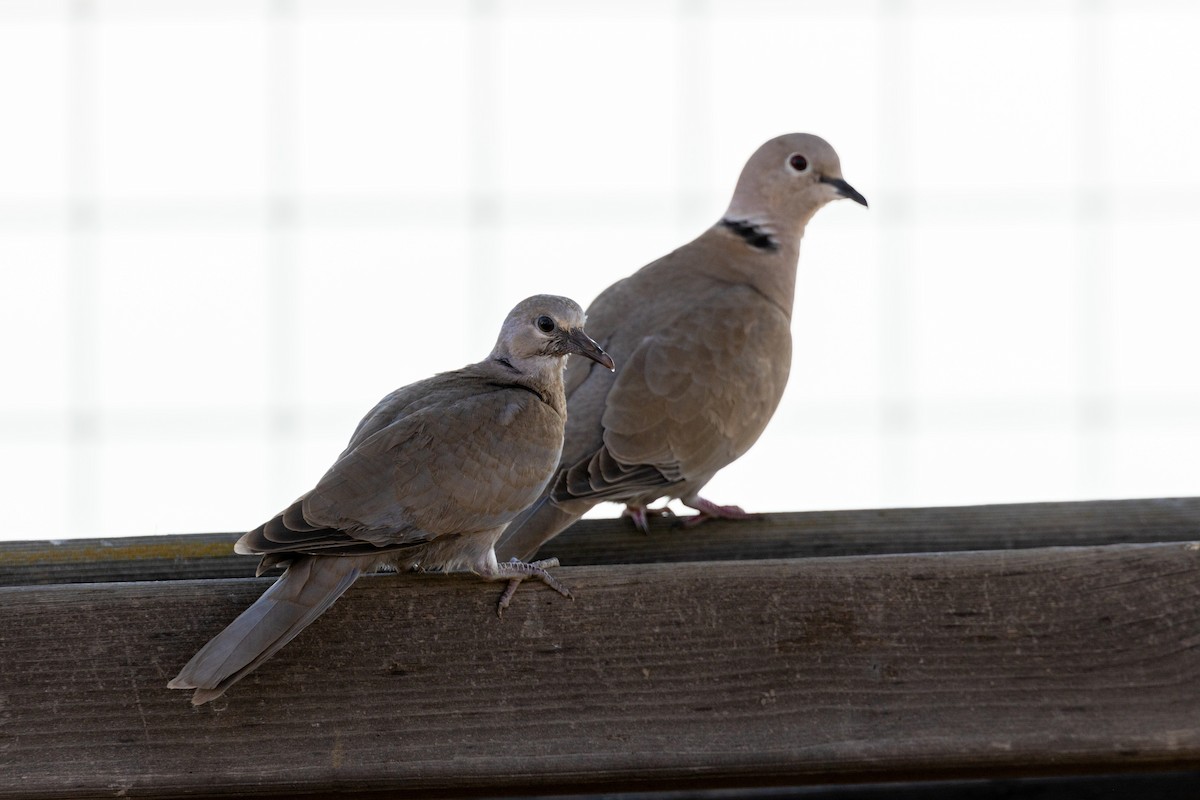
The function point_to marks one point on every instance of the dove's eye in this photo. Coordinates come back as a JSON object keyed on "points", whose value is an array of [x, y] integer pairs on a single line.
{"points": [[545, 324], [798, 163]]}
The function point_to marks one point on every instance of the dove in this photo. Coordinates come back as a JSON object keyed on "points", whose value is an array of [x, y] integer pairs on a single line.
{"points": [[703, 340], [428, 481]]}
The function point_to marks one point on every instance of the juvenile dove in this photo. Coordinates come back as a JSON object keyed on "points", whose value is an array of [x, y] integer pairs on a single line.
{"points": [[429, 480], [703, 339]]}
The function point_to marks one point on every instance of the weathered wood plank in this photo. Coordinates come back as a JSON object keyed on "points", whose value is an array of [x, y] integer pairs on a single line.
{"points": [[884, 531], [613, 541], [189, 556], [1047, 661], [1154, 786]]}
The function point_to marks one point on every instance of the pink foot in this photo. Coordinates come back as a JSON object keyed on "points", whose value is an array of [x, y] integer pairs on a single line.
{"points": [[641, 515], [710, 510]]}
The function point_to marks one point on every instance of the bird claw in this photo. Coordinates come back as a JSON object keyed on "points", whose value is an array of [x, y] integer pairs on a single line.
{"points": [[518, 571], [710, 510], [640, 515]]}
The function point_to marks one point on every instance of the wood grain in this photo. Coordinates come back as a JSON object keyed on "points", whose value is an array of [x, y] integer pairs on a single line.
{"points": [[1042, 661], [613, 541]]}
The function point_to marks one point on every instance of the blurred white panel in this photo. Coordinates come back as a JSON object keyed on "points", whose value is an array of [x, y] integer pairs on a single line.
{"points": [[382, 102], [181, 484], [993, 310], [446, 159], [997, 464], [1157, 461], [34, 358], [836, 333], [992, 90], [575, 259], [36, 476], [803, 468], [1156, 326], [1152, 120], [181, 105], [377, 310], [33, 137], [587, 96], [779, 67], [183, 320], [181, 10]]}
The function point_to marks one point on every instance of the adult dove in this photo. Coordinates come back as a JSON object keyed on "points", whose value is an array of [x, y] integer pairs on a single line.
{"points": [[429, 480], [703, 339]]}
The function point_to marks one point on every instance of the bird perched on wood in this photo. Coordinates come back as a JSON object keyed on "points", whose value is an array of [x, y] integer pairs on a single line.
{"points": [[703, 339], [429, 480]]}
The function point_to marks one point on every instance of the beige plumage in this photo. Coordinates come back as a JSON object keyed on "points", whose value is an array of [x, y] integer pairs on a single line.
{"points": [[703, 340], [429, 480]]}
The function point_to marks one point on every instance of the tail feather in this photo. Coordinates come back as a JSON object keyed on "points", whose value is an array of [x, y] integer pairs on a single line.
{"points": [[303, 593], [532, 528]]}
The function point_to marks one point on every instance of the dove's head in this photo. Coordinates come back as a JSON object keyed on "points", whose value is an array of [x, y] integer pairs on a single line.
{"points": [[541, 331], [787, 180]]}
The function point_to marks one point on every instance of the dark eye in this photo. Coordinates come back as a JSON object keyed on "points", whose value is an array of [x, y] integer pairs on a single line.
{"points": [[545, 324], [798, 162]]}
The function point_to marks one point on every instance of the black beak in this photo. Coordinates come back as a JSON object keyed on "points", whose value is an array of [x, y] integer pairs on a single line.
{"points": [[579, 342], [845, 189]]}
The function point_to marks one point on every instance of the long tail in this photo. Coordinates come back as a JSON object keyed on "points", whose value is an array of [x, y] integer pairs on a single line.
{"points": [[309, 586], [532, 528]]}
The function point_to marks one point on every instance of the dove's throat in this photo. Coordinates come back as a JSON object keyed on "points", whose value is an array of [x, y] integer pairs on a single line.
{"points": [[771, 271]]}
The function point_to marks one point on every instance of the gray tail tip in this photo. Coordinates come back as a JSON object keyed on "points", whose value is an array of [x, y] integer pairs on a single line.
{"points": [[202, 696]]}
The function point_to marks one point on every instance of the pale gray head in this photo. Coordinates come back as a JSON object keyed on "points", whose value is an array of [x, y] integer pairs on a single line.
{"points": [[541, 331], [787, 180]]}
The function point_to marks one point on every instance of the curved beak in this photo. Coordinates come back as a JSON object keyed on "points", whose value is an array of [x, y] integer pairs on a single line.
{"points": [[579, 342], [845, 189]]}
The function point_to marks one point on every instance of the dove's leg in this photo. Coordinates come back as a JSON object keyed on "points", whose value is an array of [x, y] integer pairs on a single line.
{"points": [[517, 571], [641, 515], [710, 510]]}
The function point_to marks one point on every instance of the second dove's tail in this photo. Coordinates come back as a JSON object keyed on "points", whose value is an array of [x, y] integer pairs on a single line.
{"points": [[532, 528], [308, 587]]}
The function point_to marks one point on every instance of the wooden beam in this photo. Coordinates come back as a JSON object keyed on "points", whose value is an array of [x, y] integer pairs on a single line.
{"points": [[757, 673], [613, 541], [883, 532]]}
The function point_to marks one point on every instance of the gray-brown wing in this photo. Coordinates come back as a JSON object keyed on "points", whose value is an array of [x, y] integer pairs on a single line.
{"points": [[467, 462], [690, 398]]}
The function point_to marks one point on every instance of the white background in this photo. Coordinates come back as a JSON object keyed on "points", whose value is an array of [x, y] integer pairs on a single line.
{"points": [[227, 228]]}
